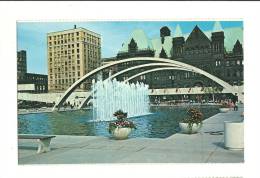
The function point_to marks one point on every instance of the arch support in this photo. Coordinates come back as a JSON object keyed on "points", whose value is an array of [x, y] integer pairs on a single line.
{"points": [[174, 63]]}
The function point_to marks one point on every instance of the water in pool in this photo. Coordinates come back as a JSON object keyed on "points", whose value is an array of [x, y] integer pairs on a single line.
{"points": [[162, 123]]}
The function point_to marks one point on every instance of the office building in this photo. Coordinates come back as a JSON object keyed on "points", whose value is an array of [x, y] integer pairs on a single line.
{"points": [[72, 53]]}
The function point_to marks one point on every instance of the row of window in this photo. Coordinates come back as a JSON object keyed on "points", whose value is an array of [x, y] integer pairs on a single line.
{"points": [[60, 58], [64, 81], [68, 35], [234, 73], [71, 40], [62, 63], [229, 63], [71, 35], [40, 88]]}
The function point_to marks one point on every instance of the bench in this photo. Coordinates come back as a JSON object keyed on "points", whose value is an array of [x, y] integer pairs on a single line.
{"points": [[44, 141]]}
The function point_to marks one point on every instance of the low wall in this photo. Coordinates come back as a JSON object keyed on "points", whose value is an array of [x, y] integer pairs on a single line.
{"points": [[75, 97], [187, 91]]}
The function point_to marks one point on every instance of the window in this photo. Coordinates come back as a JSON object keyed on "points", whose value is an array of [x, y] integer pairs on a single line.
{"points": [[77, 44], [228, 74], [78, 62], [227, 63], [238, 74], [78, 73], [234, 73]]}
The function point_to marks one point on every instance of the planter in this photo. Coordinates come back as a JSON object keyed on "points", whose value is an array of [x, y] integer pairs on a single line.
{"points": [[185, 129], [223, 110], [121, 133], [234, 135]]}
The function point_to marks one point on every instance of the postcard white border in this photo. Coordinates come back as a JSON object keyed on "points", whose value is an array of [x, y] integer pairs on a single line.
{"points": [[10, 12]]}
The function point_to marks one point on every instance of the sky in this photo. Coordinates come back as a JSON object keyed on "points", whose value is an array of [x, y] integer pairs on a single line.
{"points": [[32, 36]]}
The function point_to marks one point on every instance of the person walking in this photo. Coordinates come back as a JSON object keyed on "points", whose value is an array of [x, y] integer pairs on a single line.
{"points": [[236, 106]]}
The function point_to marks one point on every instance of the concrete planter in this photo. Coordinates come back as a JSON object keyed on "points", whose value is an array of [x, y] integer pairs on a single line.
{"points": [[223, 110], [121, 133], [185, 129], [234, 135]]}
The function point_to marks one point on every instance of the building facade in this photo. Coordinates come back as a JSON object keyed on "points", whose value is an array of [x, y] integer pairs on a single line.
{"points": [[219, 52], [29, 82], [33, 83], [72, 54], [21, 64]]}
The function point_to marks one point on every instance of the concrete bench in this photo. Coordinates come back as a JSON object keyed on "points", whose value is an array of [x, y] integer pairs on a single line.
{"points": [[44, 141]]}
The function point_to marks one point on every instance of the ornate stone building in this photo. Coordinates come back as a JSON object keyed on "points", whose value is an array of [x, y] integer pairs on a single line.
{"points": [[219, 52]]}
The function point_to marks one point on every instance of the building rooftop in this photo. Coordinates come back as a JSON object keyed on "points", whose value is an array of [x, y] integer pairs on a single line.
{"points": [[143, 42], [78, 28], [140, 38]]}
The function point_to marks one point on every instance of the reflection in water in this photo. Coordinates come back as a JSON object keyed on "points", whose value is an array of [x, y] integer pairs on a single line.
{"points": [[161, 124]]}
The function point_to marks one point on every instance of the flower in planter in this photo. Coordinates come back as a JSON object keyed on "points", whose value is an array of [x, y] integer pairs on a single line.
{"points": [[194, 117], [224, 105], [121, 122]]}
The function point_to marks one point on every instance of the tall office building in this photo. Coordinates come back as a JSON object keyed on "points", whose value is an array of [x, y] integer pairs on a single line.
{"points": [[72, 54], [21, 65]]}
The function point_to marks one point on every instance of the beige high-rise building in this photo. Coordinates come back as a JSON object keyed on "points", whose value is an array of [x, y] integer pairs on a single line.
{"points": [[72, 54]]}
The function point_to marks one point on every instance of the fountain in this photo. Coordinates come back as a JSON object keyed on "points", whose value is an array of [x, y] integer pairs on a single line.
{"points": [[112, 95]]}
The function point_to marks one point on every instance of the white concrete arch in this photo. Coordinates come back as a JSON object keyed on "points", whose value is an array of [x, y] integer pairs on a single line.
{"points": [[154, 70], [174, 62], [137, 67], [145, 65]]}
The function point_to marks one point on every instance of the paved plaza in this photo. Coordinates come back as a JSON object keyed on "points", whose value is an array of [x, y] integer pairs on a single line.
{"points": [[205, 147]]}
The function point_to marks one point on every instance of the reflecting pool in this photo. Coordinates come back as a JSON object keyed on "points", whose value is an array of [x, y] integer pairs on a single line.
{"points": [[162, 123]]}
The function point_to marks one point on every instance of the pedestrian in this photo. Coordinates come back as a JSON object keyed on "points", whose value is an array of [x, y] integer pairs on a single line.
{"points": [[236, 106]]}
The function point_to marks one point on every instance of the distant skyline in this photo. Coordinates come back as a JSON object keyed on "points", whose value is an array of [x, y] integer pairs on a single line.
{"points": [[32, 36]]}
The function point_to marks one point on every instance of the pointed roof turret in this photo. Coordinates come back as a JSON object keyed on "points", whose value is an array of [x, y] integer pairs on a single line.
{"points": [[237, 43], [197, 38], [217, 27], [238, 49], [178, 31], [163, 54]]}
